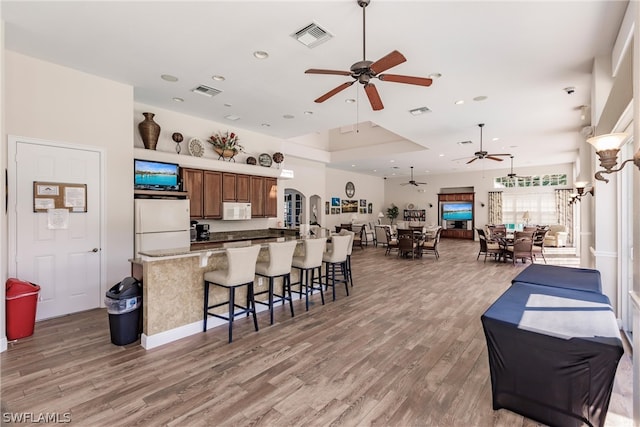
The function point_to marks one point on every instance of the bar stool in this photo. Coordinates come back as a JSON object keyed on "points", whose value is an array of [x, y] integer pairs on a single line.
{"points": [[308, 264], [351, 234], [240, 272], [279, 265], [337, 256]]}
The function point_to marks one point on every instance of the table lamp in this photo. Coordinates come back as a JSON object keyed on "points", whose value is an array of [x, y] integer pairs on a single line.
{"points": [[380, 216], [526, 217]]}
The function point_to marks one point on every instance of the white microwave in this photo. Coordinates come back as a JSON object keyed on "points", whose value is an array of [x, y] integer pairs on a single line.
{"points": [[236, 211]]}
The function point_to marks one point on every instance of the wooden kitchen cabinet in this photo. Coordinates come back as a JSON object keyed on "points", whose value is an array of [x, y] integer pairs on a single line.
{"points": [[257, 196], [271, 197], [212, 194], [242, 188], [229, 187], [192, 183], [204, 189]]}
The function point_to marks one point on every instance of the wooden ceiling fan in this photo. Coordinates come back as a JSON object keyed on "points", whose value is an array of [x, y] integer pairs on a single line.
{"points": [[363, 71], [512, 175], [485, 154]]}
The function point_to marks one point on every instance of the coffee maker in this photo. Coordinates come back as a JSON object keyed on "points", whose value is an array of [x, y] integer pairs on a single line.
{"points": [[202, 232]]}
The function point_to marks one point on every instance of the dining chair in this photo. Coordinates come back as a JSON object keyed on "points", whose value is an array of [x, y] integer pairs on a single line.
{"points": [[406, 243], [487, 248], [538, 243], [521, 248], [392, 242], [431, 245]]}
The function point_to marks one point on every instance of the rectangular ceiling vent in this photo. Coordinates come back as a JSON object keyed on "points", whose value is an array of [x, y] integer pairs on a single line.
{"points": [[206, 90], [465, 142], [312, 35]]}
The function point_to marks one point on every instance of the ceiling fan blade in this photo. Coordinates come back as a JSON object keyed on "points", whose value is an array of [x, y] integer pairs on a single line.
{"points": [[472, 160], [498, 155], [405, 183], [332, 92], [320, 71], [423, 183], [388, 61], [374, 97], [497, 159], [410, 80]]}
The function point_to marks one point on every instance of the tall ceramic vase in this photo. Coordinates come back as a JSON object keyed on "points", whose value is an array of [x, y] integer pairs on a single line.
{"points": [[149, 131]]}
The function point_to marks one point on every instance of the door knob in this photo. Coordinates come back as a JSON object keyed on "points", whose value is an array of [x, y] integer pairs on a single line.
{"points": [[94, 250]]}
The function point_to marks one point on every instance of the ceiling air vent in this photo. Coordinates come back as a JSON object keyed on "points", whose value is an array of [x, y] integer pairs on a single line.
{"points": [[465, 142], [206, 90], [312, 35]]}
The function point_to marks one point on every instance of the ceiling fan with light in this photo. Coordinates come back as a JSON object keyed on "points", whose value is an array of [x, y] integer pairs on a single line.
{"points": [[480, 155], [413, 181], [363, 71]]}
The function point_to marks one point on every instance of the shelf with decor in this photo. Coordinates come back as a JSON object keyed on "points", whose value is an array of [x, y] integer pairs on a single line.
{"points": [[415, 215]]}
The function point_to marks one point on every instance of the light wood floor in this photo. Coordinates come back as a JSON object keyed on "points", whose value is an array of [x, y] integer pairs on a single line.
{"points": [[405, 349]]}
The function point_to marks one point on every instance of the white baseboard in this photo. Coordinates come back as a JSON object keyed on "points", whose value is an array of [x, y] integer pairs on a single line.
{"points": [[3, 344], [152, 341]]}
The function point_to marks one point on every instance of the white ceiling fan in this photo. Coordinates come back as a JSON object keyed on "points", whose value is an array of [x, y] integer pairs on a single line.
{"points": [[413, 181]]}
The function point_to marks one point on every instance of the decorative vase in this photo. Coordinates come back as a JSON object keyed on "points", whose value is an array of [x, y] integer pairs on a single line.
{"points": [[149, 131], [225, 154]]}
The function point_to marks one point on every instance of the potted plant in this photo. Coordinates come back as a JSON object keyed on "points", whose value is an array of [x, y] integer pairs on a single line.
{"points": [[393, 212], [227, 144]]}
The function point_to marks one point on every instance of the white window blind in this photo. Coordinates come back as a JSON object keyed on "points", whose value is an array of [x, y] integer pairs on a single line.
{"points": [[541, 208]]}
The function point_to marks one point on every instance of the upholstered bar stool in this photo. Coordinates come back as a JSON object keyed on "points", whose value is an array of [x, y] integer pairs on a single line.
{"points": [[337, 257], [240, 272], [308, 264], [279, 265], [351, 234]]}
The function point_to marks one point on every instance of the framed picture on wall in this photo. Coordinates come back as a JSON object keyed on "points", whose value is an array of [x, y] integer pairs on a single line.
{"points": [[363, 203], [335, 201], [363, 210], [335, 211], [326, 208], [349, 206], [370, 208]]}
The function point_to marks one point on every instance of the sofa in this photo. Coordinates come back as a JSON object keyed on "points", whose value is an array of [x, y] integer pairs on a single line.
{"points": [[556, 236]]}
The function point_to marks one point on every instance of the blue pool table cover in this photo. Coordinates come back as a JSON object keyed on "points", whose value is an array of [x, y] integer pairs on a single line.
{"points": [[582, 279]]}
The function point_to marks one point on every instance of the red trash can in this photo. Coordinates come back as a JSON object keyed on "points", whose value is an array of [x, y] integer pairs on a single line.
{"points": [[22, 299]]}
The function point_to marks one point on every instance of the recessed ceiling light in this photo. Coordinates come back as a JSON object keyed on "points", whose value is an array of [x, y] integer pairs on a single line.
{"points": [[169, 78], [218, 78], [375, 170], [308, 113], [496, 139], [260, 54], [435, 75], [441, 155], [349, 100], [288, 116], [459, 102], [392, 161], [353, 166], [232, 117], [480, 98], [178, 99], [418, 111]]}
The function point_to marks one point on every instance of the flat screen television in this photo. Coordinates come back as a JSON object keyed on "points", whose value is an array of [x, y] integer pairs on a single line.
{"points": [[151, 175], [457, 211]]}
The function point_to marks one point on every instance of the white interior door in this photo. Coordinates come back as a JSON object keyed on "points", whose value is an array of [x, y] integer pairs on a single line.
{"points": [[66, 261]]}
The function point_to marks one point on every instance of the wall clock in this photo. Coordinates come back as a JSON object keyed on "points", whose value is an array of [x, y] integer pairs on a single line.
{"points": [[350, 189]]}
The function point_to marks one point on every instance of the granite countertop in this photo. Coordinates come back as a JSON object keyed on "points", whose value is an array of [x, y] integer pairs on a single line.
{"points": [[219, 247]]}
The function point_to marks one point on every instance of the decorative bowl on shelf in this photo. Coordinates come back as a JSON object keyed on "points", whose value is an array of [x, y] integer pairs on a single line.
{"points": [[252, 160]]}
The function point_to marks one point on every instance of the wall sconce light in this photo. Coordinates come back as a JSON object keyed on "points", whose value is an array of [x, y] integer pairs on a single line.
{"points": [[580, 191], [482, 204], [430, 205], [607, 147]]}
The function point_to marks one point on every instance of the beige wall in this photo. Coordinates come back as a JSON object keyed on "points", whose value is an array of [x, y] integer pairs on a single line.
{"points": [[54, 103]]}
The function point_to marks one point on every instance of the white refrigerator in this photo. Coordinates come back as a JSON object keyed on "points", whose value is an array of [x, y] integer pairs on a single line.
{"points": [[161, 224]]}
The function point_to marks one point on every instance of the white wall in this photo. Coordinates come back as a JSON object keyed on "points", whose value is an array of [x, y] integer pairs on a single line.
{"points": [[3, 216], [482, 182], [50, 102]]}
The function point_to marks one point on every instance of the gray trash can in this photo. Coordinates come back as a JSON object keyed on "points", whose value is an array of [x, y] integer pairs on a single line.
{"points": [[123, 303]]}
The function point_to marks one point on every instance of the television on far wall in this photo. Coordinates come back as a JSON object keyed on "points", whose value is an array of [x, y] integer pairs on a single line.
{"points": [[457, 211], [152, 175]]}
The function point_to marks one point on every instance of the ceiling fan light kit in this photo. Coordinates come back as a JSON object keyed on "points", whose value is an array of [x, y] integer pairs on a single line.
{"points": [[363, 71]]}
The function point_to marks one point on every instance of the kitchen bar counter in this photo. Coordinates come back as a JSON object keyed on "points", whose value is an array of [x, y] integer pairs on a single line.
{"points": [[173, 288]]}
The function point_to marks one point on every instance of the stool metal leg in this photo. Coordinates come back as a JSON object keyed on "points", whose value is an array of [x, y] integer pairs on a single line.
{"points": [[252, 301], [232, 297], [271, 299], [286, 286], [206, 306]]}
